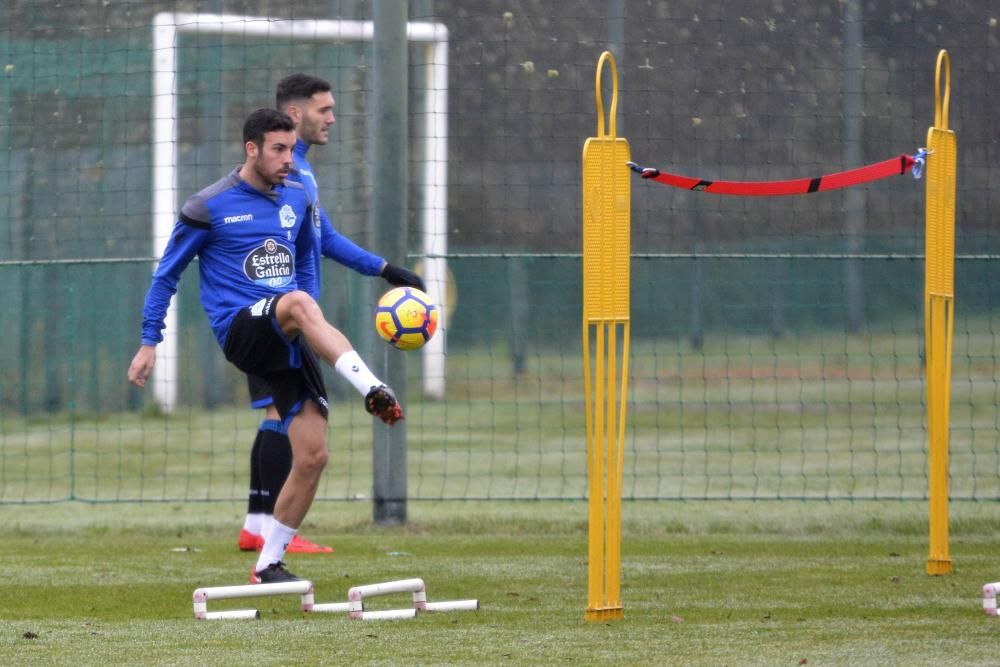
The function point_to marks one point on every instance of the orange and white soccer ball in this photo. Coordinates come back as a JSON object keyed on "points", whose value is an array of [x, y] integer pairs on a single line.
{"points": [[406, 318]]}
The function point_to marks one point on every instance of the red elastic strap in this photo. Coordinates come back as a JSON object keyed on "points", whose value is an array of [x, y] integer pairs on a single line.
{"points": [[802, 186]]}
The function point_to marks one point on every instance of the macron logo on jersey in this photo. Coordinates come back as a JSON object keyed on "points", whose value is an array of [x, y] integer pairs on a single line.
{"points": [[246, 217]]}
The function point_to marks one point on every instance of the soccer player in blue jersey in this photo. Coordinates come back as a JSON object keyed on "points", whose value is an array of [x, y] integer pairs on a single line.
{"points": [[253, 235], [308, 100]]}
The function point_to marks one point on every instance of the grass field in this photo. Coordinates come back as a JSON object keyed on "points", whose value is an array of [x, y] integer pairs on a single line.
{"points": [[704, 583], [717, 582]]}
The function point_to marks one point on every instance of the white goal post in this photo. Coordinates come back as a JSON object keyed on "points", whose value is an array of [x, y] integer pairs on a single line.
{"points": [[433, 215]]}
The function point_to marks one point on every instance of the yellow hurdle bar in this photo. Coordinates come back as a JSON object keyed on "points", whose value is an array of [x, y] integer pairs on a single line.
{"points": [[606, 192], [939, 311]]}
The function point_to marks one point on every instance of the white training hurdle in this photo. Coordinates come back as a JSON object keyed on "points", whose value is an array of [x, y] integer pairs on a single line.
{"points": [[357, 594], [203, 595], [990, 598], [355, 605]]}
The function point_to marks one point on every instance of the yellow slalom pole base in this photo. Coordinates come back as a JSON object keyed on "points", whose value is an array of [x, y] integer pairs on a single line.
{"points": [[604, 614], [606, 207], [939, 312], [936, 567]]}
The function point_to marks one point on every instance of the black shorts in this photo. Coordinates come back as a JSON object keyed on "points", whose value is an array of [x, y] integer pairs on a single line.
{"points": [[285, 370], [260, 392]]}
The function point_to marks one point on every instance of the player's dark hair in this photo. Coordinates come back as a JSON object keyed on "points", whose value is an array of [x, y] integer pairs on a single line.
{"points": [[262, 121], [298, 87]]}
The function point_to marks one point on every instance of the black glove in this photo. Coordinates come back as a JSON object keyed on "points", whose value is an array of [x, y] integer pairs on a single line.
{"points": [[400, 277]]}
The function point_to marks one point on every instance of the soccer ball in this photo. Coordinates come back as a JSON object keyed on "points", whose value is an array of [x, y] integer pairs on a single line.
{"points": [[406, 318]]}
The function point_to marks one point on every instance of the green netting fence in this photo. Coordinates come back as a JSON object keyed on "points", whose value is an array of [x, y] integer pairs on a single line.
{"points": [[777, 343]]}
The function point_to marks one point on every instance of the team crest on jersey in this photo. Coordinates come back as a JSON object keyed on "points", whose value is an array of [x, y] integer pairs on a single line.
{"points": [[287, 216]]}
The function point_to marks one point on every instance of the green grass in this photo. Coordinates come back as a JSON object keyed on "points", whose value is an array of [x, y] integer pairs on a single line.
{"points": [[704, 583]]}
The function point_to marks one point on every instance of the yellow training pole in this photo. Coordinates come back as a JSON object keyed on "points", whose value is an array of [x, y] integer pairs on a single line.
{"points": [[606, 191], [939, 310]]}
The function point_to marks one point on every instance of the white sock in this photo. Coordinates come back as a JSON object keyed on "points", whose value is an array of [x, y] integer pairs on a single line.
{"points": [[354, 370], [256, 523], [275, 544]]}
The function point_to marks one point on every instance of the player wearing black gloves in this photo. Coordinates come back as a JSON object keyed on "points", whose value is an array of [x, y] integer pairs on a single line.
{"points": [[397, 276]]}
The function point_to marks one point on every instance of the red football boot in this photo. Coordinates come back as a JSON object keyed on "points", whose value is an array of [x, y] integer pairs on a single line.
{"points": [[300, 545], [250, 542]]}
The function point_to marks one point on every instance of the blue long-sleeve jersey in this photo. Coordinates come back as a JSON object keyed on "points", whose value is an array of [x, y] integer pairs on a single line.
{"points": [[329, 242], [250, 245]]}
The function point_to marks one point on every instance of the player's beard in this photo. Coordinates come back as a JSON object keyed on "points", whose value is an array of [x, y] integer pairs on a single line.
{"points": [[313, 134], [271, 178]]}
